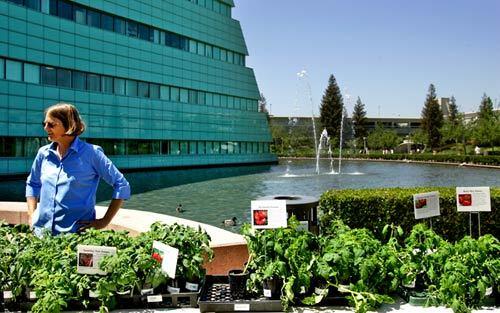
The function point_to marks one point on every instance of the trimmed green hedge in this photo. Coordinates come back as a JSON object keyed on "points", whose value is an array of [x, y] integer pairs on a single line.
{"points": [[428, 157], [374, 208]]}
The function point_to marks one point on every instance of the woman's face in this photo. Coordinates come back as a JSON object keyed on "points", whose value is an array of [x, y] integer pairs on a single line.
{"points": [[54, 128]]}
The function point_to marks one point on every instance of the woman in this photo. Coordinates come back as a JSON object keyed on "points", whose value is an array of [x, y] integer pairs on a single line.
{"points": [[65, 175]]}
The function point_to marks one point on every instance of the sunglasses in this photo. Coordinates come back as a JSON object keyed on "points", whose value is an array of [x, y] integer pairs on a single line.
{"points": [[49, 124]]}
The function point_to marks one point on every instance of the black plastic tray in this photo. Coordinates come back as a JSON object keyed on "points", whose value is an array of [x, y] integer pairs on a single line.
{"points": [[215, 296]]}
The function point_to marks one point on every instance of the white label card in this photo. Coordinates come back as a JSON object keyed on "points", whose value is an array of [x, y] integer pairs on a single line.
{"points": [[32, 295], [242, 307], [7, 294], [155, 298], [191, 286], [426, 204], [167, 256], [173, 289], [267, 214], [473, 199], [88, 258], [267, 293]]}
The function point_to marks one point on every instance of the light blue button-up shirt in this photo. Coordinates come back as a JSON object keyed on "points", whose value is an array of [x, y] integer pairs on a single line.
{"points": [[67, 187]]}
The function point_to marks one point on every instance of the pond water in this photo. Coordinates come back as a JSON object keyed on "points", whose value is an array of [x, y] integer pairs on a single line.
{"points": [[214, 194]]}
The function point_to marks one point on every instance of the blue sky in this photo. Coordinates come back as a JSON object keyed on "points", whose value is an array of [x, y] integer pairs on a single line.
{"points": [[386, 52]]}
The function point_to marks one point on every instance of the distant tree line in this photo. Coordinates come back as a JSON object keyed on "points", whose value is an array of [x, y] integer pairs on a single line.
{"points": [[437, 132]]}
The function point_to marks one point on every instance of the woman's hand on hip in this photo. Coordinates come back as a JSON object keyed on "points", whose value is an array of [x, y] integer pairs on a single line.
{"points": [[99, 223]]}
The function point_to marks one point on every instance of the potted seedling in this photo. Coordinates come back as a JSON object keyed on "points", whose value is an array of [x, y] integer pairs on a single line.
{"points": [[424, 255]]}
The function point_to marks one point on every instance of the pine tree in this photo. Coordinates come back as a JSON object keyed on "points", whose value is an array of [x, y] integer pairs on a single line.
{"points": [[486, 127], [359, 121], [432, 118], [453, 111], [485, 108], [331, 109]]}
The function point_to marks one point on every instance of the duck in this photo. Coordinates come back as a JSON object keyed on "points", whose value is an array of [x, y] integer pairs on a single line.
{"points": [[179, 208], [230, 222]]}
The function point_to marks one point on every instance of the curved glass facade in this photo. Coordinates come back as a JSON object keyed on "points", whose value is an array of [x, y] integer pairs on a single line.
{"points": [[159, 83]]}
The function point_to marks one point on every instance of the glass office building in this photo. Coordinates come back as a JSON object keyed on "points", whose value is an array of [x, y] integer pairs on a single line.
{"points": [[159, 83]]}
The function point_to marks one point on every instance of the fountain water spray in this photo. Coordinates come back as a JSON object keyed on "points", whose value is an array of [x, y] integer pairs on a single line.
{"points": [[324, 138], [303, 75]]}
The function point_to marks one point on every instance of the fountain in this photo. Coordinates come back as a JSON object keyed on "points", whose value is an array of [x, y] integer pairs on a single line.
{"points": [[324, 139], [303, 75]]}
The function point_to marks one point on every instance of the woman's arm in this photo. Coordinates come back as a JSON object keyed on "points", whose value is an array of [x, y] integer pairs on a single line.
{"points": [[101, 223], [32, 203]]}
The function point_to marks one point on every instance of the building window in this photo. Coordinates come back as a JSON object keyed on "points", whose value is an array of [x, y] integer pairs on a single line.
{"points": [[216, 147], [156, 36], [45, 6], [201, 147], [65, 10], [80, 14], [79, 80], [93, 18], [175, 94], [119, 26], [193, 96], [53, 7], [165, 92], [174, 147], [63, 78], [132, 28], [119, 86], [208, 51], [132, 147], [154, 91], [107, 84], [33, 4], [192, 147], [93, 82], [14, 70], [143, 89], [164, 146], [131, 88], [216, 53], [192, 46], [184, 95], [143, 31], [201, 97], [2, 68], [106, 22], [184, 147]]}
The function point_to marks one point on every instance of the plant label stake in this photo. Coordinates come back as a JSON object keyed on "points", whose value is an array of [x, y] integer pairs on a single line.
{"points": [[473, 200], [426, 205]]}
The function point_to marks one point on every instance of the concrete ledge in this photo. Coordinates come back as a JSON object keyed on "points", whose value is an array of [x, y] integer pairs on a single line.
{"points": [[230, 250]]}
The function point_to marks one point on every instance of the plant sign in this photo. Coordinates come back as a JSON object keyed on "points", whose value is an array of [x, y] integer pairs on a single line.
{"points": [[473, 199], [267, 214], [426, 204], [167, 256], [89, 258]]}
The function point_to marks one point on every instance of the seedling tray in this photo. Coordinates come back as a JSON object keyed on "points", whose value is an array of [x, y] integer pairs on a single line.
{"points": [[216, 297]]}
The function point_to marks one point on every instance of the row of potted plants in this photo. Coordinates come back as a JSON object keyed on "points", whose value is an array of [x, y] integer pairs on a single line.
{"points": [[352, 264], [46, 268]]}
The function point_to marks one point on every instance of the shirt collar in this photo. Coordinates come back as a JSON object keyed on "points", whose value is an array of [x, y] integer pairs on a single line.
{"points": [[75, 145]]}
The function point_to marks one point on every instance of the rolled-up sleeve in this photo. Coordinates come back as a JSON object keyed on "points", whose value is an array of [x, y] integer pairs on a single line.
{"points": [[108, 171], [33, 183]]}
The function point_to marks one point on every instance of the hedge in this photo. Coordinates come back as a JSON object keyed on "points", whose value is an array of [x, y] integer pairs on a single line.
{"points": [[427, 157], [374, 208]]}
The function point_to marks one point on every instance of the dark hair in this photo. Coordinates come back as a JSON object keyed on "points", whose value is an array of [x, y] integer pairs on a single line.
{"points": [[69, 116]]}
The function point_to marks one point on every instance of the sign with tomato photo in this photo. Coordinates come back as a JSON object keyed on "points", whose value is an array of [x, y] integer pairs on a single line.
{"points": [[89, 257], [266, 214], [167, 256], [426, 205], [473, 199]]}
